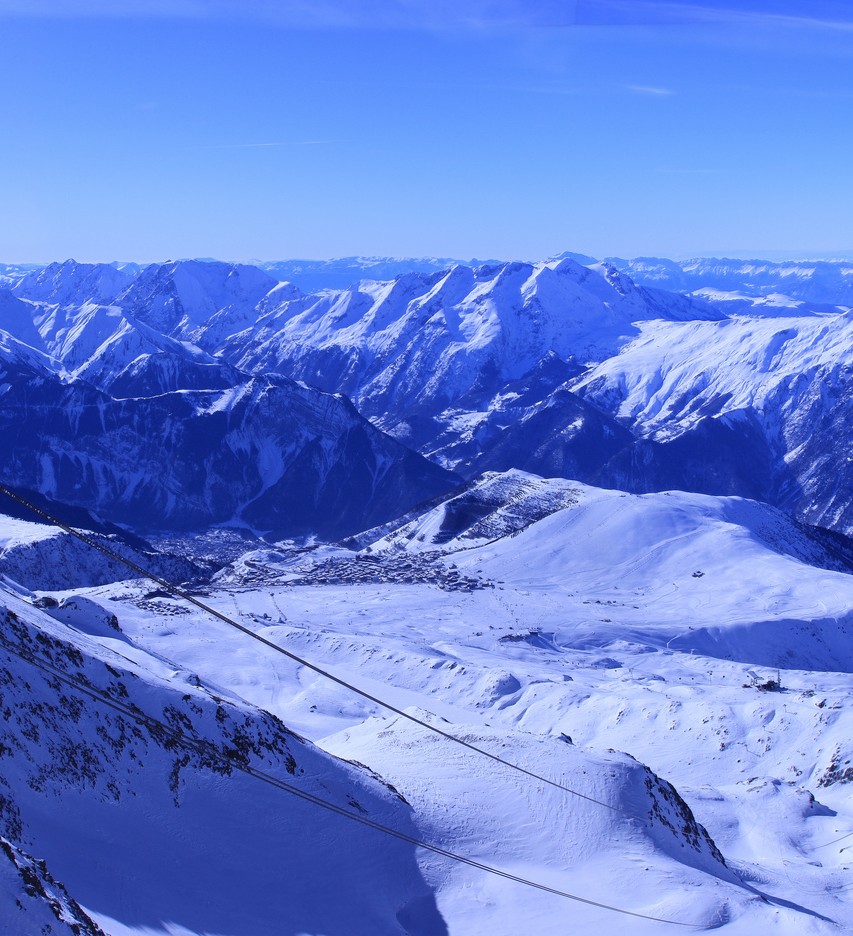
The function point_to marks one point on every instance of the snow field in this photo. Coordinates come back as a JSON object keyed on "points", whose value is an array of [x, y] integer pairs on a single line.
{"points": [[593, 630]]}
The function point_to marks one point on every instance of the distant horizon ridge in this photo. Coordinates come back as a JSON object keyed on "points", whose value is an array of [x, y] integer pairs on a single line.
{"points": [[769, 256]]}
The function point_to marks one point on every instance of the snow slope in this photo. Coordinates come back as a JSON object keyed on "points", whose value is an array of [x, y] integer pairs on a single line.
{"points": [[16, 318], [596, 620], [157, 835], [545, 834], [31, 901], [767, 397]]}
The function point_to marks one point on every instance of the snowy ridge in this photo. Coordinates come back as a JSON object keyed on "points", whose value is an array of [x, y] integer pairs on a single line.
{"points": [[31, 901], [666, 379], [812, 281], [494, 506], [72, 283], [737, 302], [421, 341], [116, 778], [37, 556], [779, 388]]}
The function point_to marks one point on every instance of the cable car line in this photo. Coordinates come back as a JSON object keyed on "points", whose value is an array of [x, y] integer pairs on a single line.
{"points": [[201, 746], [186, 596]]}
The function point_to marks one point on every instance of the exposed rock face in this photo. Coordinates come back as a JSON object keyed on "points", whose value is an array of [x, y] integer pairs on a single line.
{"points": [[149, 775], [268, 453], [32, 901]]}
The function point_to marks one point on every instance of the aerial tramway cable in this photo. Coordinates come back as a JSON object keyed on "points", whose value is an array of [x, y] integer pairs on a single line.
{"points": [[199, 746], [186, 596]]}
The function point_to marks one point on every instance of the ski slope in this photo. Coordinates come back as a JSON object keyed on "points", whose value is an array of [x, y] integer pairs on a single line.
{"points": [[587, 632]]}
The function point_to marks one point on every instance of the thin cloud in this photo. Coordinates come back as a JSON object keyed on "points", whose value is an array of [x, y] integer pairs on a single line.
{"points": [[822, 14], [342, 14], [455, 14], [650, 90]]}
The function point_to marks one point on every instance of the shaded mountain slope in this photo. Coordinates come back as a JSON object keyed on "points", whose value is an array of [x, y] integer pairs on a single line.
{"points": [[266, 452], [213, 849]]}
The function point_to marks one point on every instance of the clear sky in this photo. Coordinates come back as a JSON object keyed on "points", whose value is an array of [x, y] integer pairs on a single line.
{"points": [[271, 129]]}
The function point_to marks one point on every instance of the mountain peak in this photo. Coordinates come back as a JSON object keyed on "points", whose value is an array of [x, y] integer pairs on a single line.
{"points": [[181, 296], [74, 283]]}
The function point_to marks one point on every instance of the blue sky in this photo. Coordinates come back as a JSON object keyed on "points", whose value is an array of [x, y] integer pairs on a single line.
{"points": [[151, 129]]}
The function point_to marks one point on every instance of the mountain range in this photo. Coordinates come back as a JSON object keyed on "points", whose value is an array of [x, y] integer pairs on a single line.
{"points": [[559, 368], [589, 519], [815, 282]]}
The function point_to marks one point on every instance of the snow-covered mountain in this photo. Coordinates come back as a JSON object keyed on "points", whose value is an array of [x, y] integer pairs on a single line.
{"points": [[752, 406], [345, 272], [828, 282], [197, 301], [408, 350], [216, 850], [132, 359], [111, 349], [559, 368], [72, 283], [265, 452], [479, 370], [582, 620], [11, 273], [112, 414], [516, 526], [633, 629]]}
